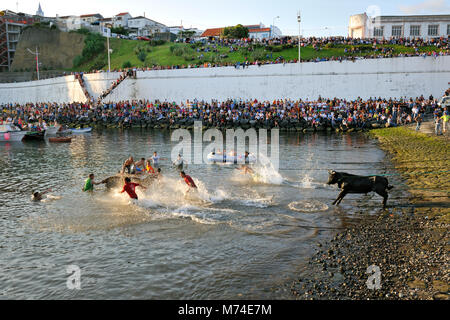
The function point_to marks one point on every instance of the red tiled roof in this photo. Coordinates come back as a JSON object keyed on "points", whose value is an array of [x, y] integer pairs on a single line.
{"points": [[259, 30], [122, 14], [214, 32], [88, 15]]}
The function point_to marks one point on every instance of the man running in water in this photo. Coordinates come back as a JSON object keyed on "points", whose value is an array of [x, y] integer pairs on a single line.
{"points": [[129, 187], [127, 165], [89, 183], [140, 166], [188, 180]]}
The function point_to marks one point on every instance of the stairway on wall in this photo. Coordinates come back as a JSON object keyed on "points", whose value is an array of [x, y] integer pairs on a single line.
{"points": [[115, 84], [83, 87]]}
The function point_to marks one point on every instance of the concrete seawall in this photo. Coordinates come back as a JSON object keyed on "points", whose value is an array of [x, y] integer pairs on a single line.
{"points": [[61, 89], [394, 77]]}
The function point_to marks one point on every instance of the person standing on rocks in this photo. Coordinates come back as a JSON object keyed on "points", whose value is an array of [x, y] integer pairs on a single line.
{"points": [[418, 120], [445, 117]]}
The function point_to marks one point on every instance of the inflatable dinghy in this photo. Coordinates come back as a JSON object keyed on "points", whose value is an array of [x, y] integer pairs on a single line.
{"points": [[230, 159]]}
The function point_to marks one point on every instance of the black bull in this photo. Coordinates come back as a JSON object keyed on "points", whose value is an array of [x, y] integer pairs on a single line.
{"points": [[350, 183]]}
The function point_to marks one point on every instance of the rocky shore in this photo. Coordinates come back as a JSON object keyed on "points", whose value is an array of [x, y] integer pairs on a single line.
{"points": [[408, 242], [188, 123]]}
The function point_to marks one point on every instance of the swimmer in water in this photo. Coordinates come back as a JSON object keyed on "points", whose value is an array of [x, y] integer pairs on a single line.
{"points": [[37, 196], [188, 181], [246, 169], [129, 187]]}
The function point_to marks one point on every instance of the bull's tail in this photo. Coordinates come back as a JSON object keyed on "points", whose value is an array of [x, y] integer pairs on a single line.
{"points": [[389, 187]]}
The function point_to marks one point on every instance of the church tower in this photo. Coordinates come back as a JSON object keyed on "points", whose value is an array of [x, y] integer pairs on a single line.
{"points": [[39, 12]]}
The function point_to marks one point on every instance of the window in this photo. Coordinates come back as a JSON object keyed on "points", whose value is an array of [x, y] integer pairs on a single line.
{"points": [[448, 29], [378, 31], [433, 29], [396, 31], [414, 31]]}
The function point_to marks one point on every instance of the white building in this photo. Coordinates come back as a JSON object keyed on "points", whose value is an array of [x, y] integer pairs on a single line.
{"points": [[414, 26], [143, 26], [91, 18], [121, 19], [69, 23]]}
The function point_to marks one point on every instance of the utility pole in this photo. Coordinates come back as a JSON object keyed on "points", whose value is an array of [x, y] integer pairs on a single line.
{"points": [[273, 25], [109, 58], [299, 19], [37, 60]]}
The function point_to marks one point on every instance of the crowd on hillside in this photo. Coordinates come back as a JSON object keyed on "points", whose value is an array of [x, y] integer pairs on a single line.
{"points": [[335, 113], [372, 50]]}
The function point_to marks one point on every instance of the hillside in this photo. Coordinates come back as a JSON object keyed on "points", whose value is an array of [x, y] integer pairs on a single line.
{"points": [[129, 52], [57, 49]]}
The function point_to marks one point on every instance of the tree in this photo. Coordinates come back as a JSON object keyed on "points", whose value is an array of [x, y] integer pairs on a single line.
{"points": [[236, 32], [120, 30]]}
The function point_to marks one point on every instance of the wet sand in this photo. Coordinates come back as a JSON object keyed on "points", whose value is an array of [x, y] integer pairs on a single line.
{"points": [[408, 241]]}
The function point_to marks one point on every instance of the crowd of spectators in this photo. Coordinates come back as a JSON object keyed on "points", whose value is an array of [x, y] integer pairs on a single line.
{"points": [[334, 113]]}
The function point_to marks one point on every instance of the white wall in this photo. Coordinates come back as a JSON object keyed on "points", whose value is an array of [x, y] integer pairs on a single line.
{"points": [[61, 89], [96, 83], [396, 77]]}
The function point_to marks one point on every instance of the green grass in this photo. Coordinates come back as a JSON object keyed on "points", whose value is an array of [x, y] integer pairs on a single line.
{"points": [[424, 161], [125, 50]]}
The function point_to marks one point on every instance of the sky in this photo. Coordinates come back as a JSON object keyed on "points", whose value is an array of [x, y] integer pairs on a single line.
{"points": [[319, 17]]}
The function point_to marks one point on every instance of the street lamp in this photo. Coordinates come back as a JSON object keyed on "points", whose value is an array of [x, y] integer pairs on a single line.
{"points": [[273, 24], [299, 19], [37, 60]]}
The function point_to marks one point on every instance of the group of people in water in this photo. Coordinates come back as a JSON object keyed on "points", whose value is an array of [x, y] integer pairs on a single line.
{"points": [[142, 167]]}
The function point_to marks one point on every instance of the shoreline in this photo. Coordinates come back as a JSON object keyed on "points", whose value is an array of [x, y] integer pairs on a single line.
{"points": [[408, 241]]}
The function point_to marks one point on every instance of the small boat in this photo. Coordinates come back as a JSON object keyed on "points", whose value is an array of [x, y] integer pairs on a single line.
{"points": [[34, 136], [230, 159], [60, 139], [83, 130], [52, 130], [11, 133]]}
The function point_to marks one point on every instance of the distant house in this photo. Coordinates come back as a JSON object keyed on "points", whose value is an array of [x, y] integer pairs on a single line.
{"points": [[255, 31], [91, 18], [212, 33], [142, 26], [69, 23], [176, 30], [121, 19]]}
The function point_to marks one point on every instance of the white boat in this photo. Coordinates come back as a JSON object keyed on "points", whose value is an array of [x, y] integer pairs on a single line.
{"points": [[52, 130], [10, 133], [84, 130], [229, 158]]}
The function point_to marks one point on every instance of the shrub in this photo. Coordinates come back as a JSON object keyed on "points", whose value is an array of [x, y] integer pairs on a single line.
{"points": [[127, 64], [276, 49], [155, 43], [78, 60], [142, 55], [258, 54]]}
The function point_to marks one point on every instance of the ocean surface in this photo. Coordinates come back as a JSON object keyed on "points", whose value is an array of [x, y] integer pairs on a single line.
{"points": [[239, 237]]}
